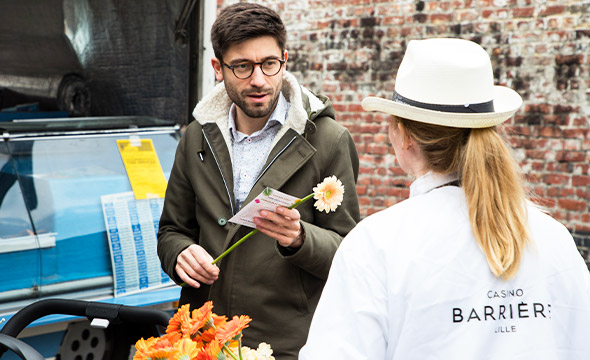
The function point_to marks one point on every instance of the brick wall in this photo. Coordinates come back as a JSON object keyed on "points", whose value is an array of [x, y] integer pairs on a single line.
{"points": [[349, 49]]}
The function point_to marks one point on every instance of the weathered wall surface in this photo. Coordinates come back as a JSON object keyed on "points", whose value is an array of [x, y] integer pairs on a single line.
{"points": [[349, 49]]}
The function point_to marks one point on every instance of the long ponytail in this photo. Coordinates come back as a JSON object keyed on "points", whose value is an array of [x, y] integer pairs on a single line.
{"points": [[496, 200]]}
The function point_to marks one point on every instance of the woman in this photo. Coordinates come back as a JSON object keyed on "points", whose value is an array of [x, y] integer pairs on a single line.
{"points": [[466, 268]]}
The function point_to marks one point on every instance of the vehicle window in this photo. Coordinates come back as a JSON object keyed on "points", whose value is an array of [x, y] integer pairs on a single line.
{"points": [[14, 218], [19, 247], [63, 179]]}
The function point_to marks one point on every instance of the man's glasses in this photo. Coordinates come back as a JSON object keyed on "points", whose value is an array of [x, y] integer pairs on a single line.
{"points": [[245, 69]]}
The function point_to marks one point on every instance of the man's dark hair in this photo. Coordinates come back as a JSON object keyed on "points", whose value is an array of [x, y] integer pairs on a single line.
{"points": [[244, 21]]}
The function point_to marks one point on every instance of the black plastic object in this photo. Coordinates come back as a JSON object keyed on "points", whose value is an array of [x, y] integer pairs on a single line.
{"points": [[20, 348], [89, 309], [115, 313]]}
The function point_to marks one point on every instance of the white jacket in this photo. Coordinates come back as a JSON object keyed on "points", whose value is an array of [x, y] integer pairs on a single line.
{"points": [[410, 282]]}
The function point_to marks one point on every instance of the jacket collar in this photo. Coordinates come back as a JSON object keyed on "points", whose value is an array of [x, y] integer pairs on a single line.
{"points": [[430, 181]]}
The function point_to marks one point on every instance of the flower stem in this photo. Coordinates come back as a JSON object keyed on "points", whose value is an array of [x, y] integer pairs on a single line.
{"points": [[248, 235], [229, 352], [299, 202], [234, 246]]}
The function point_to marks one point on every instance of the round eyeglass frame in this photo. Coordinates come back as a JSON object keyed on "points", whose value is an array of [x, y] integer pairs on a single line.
{"points": [[232, 67]]}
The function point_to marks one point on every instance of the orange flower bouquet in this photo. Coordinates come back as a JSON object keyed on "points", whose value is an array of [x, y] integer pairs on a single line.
{"points": [[328, 195], [201, 335]]}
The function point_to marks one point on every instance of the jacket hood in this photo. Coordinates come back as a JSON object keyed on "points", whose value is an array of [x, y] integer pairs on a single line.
{"points": [[214, 107]]}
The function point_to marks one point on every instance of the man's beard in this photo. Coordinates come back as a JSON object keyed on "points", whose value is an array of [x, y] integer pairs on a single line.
{"points": [[253, 110]]}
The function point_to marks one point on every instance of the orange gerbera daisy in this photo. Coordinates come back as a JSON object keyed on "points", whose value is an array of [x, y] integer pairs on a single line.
{"points": [[208, 332], [232, 330], [161, 350], [329, 194], [218, 320], [186, 349], [209, 352], [178, 323], [201, 317], [143, 347], [208, 335]]}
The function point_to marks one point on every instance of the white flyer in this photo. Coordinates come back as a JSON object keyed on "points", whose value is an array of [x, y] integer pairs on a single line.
{"points": [[268, 199], [131, 226]]}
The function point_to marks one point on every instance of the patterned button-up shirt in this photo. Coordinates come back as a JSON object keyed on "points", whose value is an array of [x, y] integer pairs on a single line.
{"points": [[251, 151]]}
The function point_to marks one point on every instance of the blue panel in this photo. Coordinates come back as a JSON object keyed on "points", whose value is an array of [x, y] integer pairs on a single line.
{"points": [[19, 270], [76, 258]]}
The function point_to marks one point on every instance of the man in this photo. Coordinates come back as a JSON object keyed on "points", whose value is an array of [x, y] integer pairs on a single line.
{"points": [[257, 128]]}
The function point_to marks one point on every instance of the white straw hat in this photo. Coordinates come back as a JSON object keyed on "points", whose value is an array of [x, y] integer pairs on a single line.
{"points": [[447, 82]]}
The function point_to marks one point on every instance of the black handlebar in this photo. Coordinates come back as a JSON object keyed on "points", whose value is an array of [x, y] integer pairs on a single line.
{"points": [[88, 309]]}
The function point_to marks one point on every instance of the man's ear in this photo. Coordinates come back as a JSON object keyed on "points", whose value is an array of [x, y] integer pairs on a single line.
{"points": [[285, 57], [217, 68]]}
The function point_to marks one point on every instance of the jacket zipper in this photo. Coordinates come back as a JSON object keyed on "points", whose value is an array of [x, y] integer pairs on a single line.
{"points": [[273, 160], [231, 204]]}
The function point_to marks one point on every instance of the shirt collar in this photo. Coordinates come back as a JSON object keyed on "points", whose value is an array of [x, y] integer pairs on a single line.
{"points": [[279, 115], [429, 181]]}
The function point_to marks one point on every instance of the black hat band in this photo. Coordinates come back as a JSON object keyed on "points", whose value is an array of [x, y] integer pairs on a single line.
{"points": [[485, 107]]}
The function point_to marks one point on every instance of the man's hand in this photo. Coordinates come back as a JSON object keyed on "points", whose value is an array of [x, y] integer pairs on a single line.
{"points": [[282, 225], [193, 265]]}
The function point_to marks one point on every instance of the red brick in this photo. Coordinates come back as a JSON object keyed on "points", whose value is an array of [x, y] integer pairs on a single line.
{"points": [[556, 179], [363, 201], [570, 156], [536, 154], [361, 190], [523, 12], [366, 170], [553, 191], [438, 18], [355, 108], [582, 228], [466, 15], [339, 107], [574, 205], [566, 191], [575, 133], [539, 191], [548, 131], [558, 215], [552, 10], [381, 138], [583, 193], [580, 180], [377, 149], [545, 202]]}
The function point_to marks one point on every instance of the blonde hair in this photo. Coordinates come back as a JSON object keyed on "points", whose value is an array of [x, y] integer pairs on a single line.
{"points": [[493, 185]]}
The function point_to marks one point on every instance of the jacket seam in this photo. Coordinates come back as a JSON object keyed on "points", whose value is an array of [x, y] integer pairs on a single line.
{"points": [[221, 172]]}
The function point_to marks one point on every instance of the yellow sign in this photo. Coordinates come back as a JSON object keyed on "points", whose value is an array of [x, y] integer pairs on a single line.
{"points": [[143, 168]]}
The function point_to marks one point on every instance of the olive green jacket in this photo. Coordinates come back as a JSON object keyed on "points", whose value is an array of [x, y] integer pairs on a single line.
{"points": [[277, 288]]}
